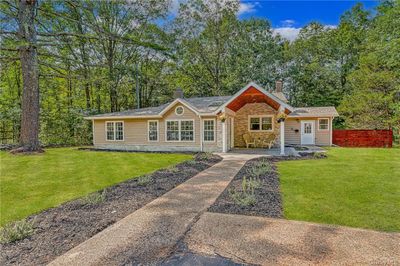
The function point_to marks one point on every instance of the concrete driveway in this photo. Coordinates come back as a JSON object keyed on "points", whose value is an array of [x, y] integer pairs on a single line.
{"points": [[267, 241]]}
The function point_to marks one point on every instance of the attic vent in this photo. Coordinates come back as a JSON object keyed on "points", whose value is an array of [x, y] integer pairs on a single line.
{"points": [[215, 104]]}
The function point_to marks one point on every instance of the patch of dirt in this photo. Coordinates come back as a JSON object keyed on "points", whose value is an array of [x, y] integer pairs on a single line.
{"points": [[269, 202], [268, 196], [59, 229]]}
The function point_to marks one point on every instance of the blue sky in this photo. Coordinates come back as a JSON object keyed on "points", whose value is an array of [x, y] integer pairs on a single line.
{"points": [[287, 17]]}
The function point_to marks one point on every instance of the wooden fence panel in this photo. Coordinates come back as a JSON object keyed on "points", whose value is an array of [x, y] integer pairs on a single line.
{"points": [[362, 138]]}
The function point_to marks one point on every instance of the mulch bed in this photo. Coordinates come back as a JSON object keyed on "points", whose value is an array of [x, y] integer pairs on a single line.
{"points": [[268, 196], [59, 229]]}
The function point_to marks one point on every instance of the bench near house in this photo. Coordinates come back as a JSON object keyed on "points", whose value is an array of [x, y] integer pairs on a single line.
{"points": [[215, 124]]}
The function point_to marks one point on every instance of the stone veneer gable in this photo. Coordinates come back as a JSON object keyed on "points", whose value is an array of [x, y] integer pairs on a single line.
{"points": [[242, 122]]}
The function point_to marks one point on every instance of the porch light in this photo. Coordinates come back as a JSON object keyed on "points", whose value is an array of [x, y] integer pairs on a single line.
{"points": [[222, 118], [281, 117]]}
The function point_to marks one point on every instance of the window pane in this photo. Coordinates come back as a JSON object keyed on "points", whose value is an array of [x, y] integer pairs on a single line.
{"points": [[153, 131], [255, 123], [323, 124], [208, 130], [187, 131], [267, 123], [110, 131], [307, 128], [172, 130], [119, 131]]}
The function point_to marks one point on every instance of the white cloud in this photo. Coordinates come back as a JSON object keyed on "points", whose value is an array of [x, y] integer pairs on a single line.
{"points": [[289, 33], [330, 26], [246, 8], [288, 22]]}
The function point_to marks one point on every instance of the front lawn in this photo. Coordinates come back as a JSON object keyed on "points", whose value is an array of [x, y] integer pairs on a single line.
{"points": [[31, 183], [358, 187]]}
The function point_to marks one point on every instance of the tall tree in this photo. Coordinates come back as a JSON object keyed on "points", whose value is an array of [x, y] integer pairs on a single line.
{"points": [[30, 76], [374, 100]]}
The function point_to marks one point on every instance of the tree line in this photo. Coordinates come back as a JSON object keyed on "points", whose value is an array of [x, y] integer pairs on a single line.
{"points": [[62, 60]]}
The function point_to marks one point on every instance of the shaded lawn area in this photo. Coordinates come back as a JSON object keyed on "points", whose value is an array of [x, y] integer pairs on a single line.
{"points": [[358, 187], [31, 183]]}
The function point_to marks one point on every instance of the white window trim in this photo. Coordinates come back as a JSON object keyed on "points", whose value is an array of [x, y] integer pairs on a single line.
{"points": [[115, 131], [260, 117], [319, 119], [179, 126], [215, 129], [183, 110], [148, 131]]}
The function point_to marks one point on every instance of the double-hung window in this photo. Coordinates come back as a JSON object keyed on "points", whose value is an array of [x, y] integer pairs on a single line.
{"points": [[209, 130], [180, 130], [187, 132], [153, 130], [172, 130], [260, 123], [323, 124], [115, 130]]}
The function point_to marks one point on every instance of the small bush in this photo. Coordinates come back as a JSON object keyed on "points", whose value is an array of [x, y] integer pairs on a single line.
{"points": [[144, 180], [259, 169], [245, 196], [173, 169], [319, 155], [191, 162], [16, 231], [204, 156], [94, 198]]}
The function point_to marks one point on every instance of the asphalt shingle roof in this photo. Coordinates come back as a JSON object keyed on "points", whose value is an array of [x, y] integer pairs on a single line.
{"points": [[211, 104], [327, 111]]}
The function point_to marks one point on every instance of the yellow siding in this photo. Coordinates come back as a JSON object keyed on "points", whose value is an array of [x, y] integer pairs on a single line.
{"points": [[291, 137], [136, 130]]}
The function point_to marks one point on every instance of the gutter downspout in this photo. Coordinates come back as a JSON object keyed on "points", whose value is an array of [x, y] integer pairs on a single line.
{"points": [[201, 134]]}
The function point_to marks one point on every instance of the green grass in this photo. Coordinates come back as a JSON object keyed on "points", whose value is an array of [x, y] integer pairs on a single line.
{"points": [[358, 187], [31, 183]]}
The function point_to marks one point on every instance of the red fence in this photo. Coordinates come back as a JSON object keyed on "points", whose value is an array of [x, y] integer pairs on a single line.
{"points": [[362, 138]]}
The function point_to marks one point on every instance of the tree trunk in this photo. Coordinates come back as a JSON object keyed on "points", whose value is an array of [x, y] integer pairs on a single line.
{"points": [[29, 139]]}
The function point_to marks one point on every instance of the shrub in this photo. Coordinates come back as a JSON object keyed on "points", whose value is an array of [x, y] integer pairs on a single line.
{"points": [[191, 162], [259, 169], [245, 196], [16, 231], [94, 198], [204, 156], [319, 155], [144, 180], [172, 169]]}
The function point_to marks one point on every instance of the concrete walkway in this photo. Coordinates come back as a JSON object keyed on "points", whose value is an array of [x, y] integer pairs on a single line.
{"points": [[267, 241], [153, 231]]}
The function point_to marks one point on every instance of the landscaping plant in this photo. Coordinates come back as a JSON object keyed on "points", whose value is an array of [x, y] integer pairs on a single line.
{"points": [[203, 156], [260, 168], [144, 180], [15, 231], [94, 198], [245, 196]]}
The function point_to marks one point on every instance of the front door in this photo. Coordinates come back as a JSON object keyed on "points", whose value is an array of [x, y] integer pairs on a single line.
{"points": [[307, 132]]}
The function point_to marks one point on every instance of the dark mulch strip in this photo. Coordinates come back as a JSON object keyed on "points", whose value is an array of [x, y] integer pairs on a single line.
{"points": [[269, 200], [59, 229]]}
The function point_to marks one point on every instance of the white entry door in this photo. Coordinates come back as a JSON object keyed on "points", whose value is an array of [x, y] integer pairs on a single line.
{"points": [[307, 132]]}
